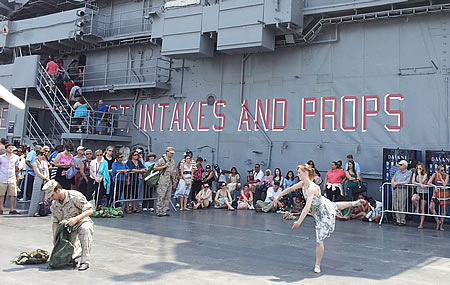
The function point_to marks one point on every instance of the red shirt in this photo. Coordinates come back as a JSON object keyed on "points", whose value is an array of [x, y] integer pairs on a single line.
{"points": [[335, 176], [52, 67]]}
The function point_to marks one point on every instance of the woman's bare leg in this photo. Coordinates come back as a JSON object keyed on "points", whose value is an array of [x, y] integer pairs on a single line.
{"points": [[442, 219], [344, 205], [319, 254], [423, 204], [433, 211], [229, 205]]}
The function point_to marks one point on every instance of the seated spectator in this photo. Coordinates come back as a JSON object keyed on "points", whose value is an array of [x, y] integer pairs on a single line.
{"points": [[210, 176], [374, 214], [441, 196], [246, 199], [234, 180], [362, 210], [267, 205], [290, 179], [223, 198], [421, 192], [279, 178], [251, 181], [266, 182], [345, 214], [204, 197], [333, 183]]}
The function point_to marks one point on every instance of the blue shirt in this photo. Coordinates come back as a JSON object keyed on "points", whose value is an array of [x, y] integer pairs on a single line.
{"points": [[288, 183], [148, 164], [402, 176], [118, 166], [81, 111], [31, 157], [101, 109]]}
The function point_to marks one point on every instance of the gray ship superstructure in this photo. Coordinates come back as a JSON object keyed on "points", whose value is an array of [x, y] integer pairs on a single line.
{"points": [[238, 82]]}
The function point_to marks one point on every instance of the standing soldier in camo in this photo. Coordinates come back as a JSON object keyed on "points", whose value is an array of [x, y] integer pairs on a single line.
{"points": [[167, 181], [72, 206]]}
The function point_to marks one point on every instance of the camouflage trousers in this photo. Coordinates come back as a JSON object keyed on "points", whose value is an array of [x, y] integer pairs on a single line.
{"points": [[164, 191], [83, 236]]}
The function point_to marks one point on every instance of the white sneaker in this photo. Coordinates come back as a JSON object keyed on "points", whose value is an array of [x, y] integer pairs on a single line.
{"points": [[152, 210], [252, 207], [177, 205], [249, 207], [144, 209]]}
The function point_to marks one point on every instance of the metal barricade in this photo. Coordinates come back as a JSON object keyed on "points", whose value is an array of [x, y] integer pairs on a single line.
{"points": [[130, 187], [407, 199]]}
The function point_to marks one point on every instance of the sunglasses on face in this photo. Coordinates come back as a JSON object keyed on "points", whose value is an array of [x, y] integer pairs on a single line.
{"points": [[205, 186], [98, 154], [109, 150], [135, 154]]}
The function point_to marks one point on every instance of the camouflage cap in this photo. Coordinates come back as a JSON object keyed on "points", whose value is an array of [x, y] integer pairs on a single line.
{"points": [[49, 188], [170, 149]]}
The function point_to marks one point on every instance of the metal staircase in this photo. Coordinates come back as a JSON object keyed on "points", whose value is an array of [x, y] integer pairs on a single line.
{"points": [[57, 102]]}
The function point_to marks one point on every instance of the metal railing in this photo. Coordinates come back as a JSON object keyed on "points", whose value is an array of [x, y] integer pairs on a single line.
{"points": [[54, 98], [35, 132], [406, 199], [130, 186], [124, 23], [104, 123], [127, 72]]}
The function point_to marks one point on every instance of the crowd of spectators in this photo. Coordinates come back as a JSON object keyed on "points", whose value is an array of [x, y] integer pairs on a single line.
{"points": [[112, 176]]}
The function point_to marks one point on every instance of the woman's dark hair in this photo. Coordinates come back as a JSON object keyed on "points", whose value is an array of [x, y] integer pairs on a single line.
{"points": [[234, 169], [208, 166], [69, 147], [275, 172], [246, 184], [293, 176], [59, 148], [334, 162], [311, 163], [119, 154], [81, 100], [353, 166], [131, 154]]}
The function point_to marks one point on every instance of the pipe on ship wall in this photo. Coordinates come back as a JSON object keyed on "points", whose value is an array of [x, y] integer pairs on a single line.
{"points": [[241, 95], [135, 103]]}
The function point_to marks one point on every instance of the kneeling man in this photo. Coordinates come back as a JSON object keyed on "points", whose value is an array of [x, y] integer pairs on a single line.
{"points": [[72, 206]]}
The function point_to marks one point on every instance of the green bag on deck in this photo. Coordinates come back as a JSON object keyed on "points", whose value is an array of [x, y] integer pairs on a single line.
{"points": [[106, 212], [63, 249], [152, 176]]}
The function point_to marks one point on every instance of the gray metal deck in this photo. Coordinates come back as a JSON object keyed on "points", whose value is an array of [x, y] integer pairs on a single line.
{"points": [[221, 247]]}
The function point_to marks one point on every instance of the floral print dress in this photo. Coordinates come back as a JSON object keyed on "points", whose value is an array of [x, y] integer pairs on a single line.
{"points": [[324, 213]]}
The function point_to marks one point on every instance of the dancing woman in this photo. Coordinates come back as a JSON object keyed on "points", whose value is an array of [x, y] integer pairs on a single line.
{"points": [[323, 210]]}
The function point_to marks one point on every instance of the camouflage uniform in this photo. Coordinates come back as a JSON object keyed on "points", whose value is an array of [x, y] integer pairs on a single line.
{"points": [[74, 204], [165, 184]]}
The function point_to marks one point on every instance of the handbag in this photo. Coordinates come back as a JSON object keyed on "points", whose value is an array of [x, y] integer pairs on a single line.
{"points": [[44, 208], [70, 173], [361, 188]]}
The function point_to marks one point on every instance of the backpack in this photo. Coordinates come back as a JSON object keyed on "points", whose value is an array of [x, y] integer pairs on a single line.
{"points": [[152, 176]]}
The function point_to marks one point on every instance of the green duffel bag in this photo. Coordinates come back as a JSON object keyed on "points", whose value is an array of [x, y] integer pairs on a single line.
{"points": [[63, 249], [151, 176]]}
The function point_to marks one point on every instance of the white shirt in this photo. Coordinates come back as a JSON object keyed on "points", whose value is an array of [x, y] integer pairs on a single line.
{"points": [[271, 193], [377, 210], [258, 176], [95, 166]]}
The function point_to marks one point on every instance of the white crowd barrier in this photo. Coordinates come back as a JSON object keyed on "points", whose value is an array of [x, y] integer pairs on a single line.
{"points": [[409, 199]]}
